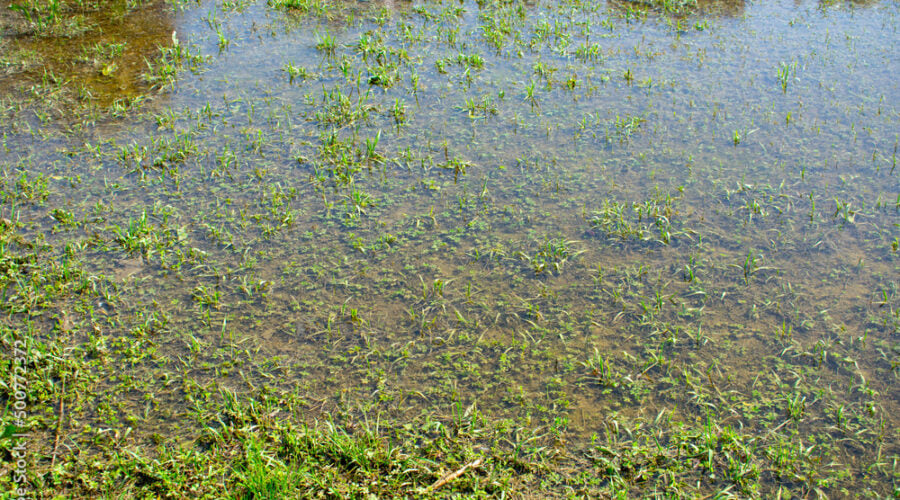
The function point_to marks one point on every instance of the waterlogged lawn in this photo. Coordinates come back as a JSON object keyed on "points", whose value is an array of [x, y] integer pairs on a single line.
{"points": [[303, 248]]}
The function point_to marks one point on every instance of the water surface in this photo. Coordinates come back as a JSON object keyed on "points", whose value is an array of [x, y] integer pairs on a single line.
{"points": [[602, 224]]}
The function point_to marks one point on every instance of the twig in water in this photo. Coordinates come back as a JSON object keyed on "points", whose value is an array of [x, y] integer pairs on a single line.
{"points": [[453, 475]]}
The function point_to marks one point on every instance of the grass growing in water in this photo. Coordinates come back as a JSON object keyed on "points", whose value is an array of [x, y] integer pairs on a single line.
{"points": [[398, 258]]}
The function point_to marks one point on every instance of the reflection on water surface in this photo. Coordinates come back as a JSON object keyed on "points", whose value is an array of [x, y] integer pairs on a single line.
{"points": [[635, 236]]}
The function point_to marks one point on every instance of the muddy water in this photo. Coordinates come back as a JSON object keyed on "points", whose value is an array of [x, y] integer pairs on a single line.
{"points": [[101, 56]]}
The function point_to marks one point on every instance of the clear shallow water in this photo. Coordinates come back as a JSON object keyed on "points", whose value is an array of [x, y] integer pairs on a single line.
{"points": [[570, 216]]}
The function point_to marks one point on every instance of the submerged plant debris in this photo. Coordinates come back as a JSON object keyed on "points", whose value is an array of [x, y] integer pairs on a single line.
{"points": [[489, 248]]}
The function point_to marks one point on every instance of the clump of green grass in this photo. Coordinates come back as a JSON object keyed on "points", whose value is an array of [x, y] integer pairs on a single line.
{"points": [[317, 7], [163, 70], [551, 256], [101, 52], [668, 6], [785, 73], [296, 72], [650, 220], [41, 16], [25, 186], [52, 18]]}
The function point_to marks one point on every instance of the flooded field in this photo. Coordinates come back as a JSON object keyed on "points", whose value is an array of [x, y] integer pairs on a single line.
{"points": [[305, 248]]}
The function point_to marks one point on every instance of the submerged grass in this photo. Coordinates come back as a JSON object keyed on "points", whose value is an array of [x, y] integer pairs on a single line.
{"points": [[488, 249]]}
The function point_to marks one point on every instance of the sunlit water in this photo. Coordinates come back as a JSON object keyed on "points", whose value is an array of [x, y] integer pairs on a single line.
{"points": [[569, 214]]}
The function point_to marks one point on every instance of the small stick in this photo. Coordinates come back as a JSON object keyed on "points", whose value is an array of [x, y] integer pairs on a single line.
{"points": [[453, 475], [62, 409]]}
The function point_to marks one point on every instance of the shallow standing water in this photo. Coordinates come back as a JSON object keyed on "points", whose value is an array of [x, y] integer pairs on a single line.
{"points": [[597, 225]]}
